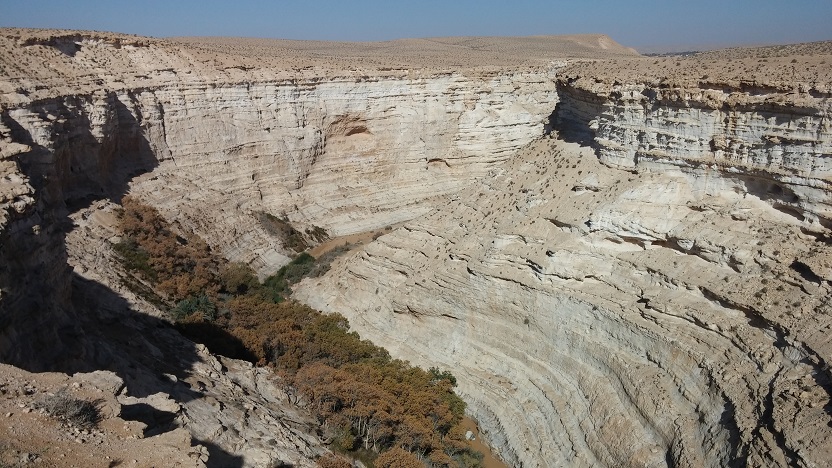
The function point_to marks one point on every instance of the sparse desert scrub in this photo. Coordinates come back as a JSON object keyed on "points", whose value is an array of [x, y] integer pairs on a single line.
{"points": [[75, 411], [366, 402]]}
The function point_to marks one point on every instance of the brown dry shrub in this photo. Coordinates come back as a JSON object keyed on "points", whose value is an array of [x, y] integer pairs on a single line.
{"points": [[80, 413]]}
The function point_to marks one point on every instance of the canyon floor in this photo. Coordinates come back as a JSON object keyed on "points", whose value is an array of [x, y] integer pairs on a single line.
{"points": [[624, 260]]}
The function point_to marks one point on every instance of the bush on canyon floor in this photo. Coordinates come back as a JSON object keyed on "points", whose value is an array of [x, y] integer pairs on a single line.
{"points": [[368, 403], [199, 304], [179, 267], [78, 412], [333, 461], [277, 286], [237, 278], [134, 257], [322, 263], [317, 233], [398, 458]]}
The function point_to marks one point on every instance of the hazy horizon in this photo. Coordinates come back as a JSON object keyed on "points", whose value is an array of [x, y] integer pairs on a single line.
{"points": [[647, 25]]}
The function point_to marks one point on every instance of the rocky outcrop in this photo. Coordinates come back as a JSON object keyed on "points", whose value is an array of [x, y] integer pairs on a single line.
{"points": [[344, 156], [36, 428], [777, 143], [643, 300], [647, 287]]}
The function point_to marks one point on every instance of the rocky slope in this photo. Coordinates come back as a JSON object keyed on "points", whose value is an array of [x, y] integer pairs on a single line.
{"points": [[214, 141], [658, 296], [30, 434]]}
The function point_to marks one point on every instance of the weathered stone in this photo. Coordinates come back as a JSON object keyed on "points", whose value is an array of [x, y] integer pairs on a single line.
{"points": [[659, 295]]}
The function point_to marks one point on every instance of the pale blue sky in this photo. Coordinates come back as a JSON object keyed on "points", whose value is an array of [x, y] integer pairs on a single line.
{"points": [[636, 23]]}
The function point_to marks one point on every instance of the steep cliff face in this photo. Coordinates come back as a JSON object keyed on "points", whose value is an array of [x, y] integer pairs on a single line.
{"points": [[775, 140], [345, 156], [58, 153], [657, 297]]}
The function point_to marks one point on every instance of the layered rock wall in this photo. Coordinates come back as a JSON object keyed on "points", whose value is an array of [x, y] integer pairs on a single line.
{"points": [[647, 299], [658, 296], [345, 156], [775, 140]]}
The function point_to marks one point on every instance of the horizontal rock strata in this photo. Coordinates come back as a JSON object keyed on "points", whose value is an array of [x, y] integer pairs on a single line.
{"points": [[346, 154], [644, 300], [649, 286]]}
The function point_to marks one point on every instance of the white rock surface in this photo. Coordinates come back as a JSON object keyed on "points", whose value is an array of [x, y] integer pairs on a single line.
{"points": [[667, 308], [664, 301], [578, 322], [343, 155]]}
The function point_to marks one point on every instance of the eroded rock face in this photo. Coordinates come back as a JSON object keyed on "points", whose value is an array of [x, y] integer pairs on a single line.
{"points": [[657, 297], [644, 302], [344, 156], [347, 152], [776, 141]]}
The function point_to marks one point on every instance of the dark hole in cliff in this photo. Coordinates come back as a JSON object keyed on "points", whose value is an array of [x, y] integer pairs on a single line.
{"points": [[789, 210], [805, 272], [781, 197], [357, 130]]}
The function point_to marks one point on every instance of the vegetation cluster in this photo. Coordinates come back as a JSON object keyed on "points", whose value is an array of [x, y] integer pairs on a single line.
{"points": [[378, 409], [74, 411]]}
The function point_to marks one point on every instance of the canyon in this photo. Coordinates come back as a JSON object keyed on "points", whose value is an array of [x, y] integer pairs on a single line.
{"points": [[625, 261]]}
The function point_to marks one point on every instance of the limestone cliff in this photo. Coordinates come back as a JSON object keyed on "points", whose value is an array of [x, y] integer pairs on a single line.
{"points": [[659, 296], [346, 154], [775, 140], [648, 286], [87, 117]]}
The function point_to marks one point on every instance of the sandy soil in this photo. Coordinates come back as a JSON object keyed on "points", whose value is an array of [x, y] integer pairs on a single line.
{"points": [[489, 460], [28, 436], [352, 240], [448, 52]]}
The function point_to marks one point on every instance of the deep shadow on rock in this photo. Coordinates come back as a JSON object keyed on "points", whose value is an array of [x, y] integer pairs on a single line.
{"points": [[52, 319], [218, 458]]}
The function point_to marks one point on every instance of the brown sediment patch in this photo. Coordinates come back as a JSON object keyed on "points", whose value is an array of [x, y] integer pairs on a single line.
{"points": [[351, 240], [489, 459]]}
